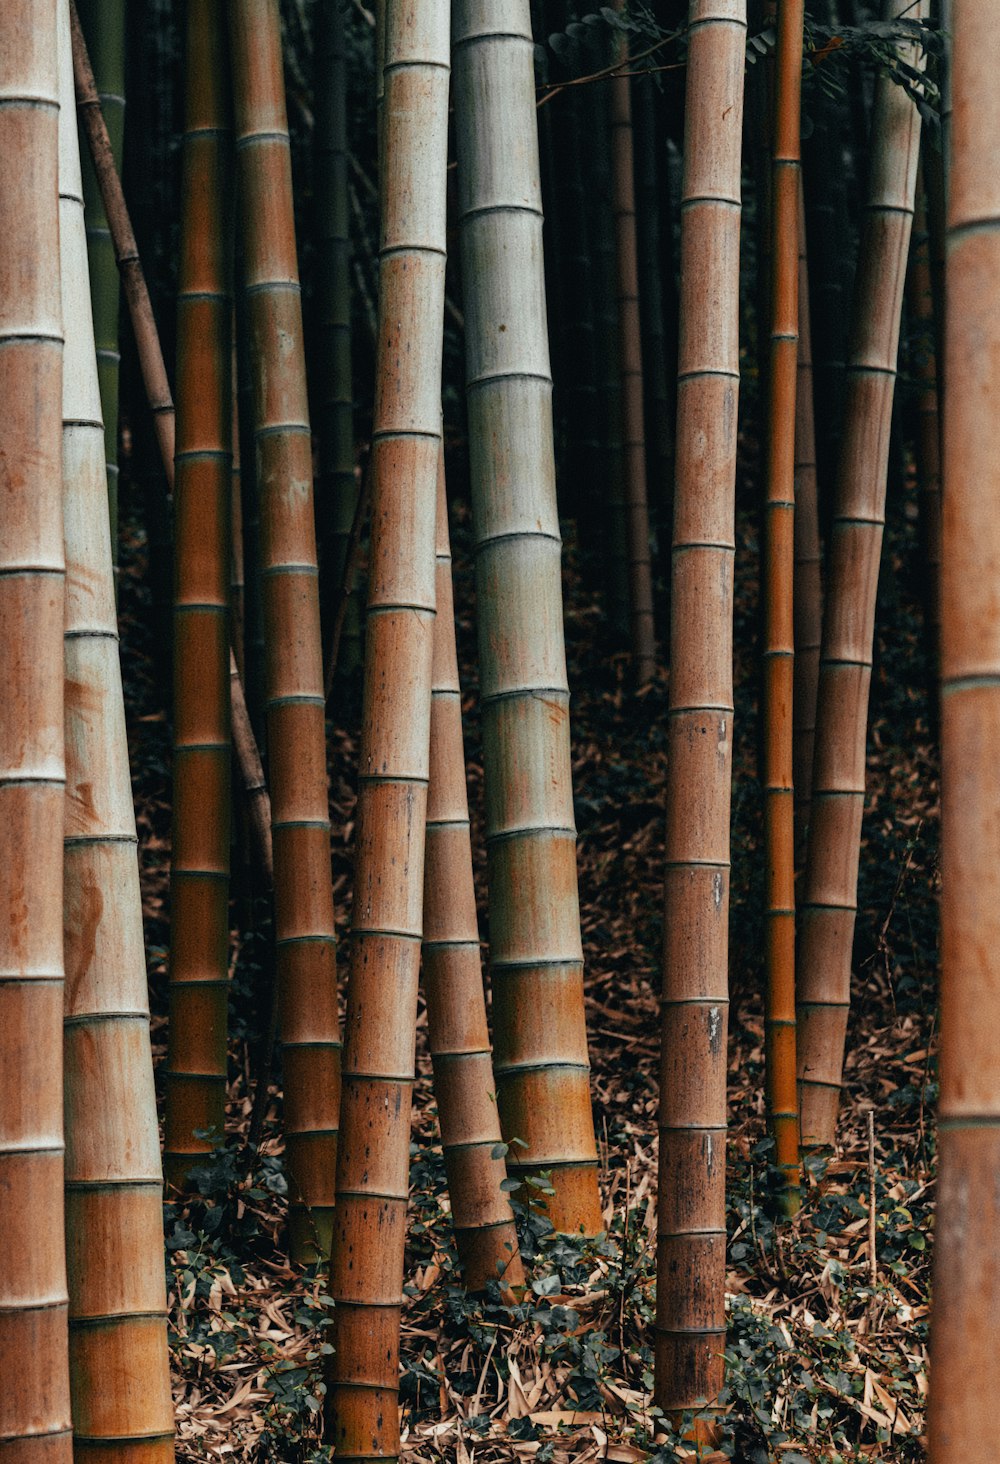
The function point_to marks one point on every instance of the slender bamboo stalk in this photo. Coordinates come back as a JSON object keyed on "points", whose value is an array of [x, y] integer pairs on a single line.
{"points": [[34, 1393], [652, 225], [237, 571], [199, 867], [779, 575], [690, 1308], [541, 1064], [920, 298], [458, 1033], [966, 1275], [829, 904], [630, 366], [366, 1266], [119, 1367], [807, 593], [304, 921]]}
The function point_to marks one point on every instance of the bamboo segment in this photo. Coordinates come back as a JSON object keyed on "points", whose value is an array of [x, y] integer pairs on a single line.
{"points": [[34, 1391], [829, 904], [199, 869], [366, 1266], [304, 921], [541, 1064], [807, 593], [920, 297], [453, 982], [690, 1306], [630, 365], [778, 577], [119, 1370], [966, 1270]]}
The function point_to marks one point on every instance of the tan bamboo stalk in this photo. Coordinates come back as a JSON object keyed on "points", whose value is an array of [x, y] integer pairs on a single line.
{"points": [[536, 957], [807, 593], [366, 1264], [691, 1252], [119, 1367], [630, 364], [966, 1273], [197, 1056], [829, 903], [304, 920], [457, 1030], [34, 1391], [237, 574], [778, 576], [920, 298]]}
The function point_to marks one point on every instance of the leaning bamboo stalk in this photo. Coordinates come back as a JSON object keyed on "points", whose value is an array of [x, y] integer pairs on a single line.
{"points": [[630, 365], [34, 1393], [366, 1266], [119, 1366], [304, 920], [829, 903], [690, 1308], [541, 1063], [966, 1274], [197, 1056], [920, 298], [457, 1030], [778, 577]]}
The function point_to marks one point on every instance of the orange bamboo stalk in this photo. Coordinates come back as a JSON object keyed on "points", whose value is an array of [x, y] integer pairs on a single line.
{"points": [[458, 1033], [691, 1250], [304, 919], [34, 1373], [778, 577], [829, 904], [199, 868], [966, 1274], [366, 1265], [119, 1366], [920, 296]]}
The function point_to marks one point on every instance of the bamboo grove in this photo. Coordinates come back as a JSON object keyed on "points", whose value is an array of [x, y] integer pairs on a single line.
{"points": [[372, 381]]}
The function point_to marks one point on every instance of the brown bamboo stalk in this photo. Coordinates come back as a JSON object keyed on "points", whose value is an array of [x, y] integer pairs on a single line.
{"points": [[197, 1055], [829, 904], [457, 1030], [691, 1251], [366, 1266], [119, 1366], [304, 919], [34, 1374], [778, 576], [920, 298], [966, 1271], [237, 574]]}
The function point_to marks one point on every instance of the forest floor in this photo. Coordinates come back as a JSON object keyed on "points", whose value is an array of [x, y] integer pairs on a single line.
{"points": [[826, 1350]]}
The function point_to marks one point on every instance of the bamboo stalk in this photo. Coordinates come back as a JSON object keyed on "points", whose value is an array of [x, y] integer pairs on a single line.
{"points": [[541, 1063], [34, 1393], [653, 227], [119, 1367], [237, 571], [829, 904], [778, 576], [458, 1034], [366, 1266], [690, 1309], [920, 298], [304, 919], [197, 1056], [966, 1275]]}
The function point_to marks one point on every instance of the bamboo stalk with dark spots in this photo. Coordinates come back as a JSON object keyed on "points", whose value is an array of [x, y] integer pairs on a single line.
{"points": [[119, 1366], [691, 1248], [34, 1392], [366, 1264], [540, 1058], [197, 1056], [829, 897]]}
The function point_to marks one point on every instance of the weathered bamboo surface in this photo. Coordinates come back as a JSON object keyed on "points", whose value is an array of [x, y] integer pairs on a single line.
{"points": [[34, 1375], [199, 868], [305, 935], [536, 957], [119, 1369], [966, 1260], [366, 1267], [829, 900], [920, 300], [690, 1310]]}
